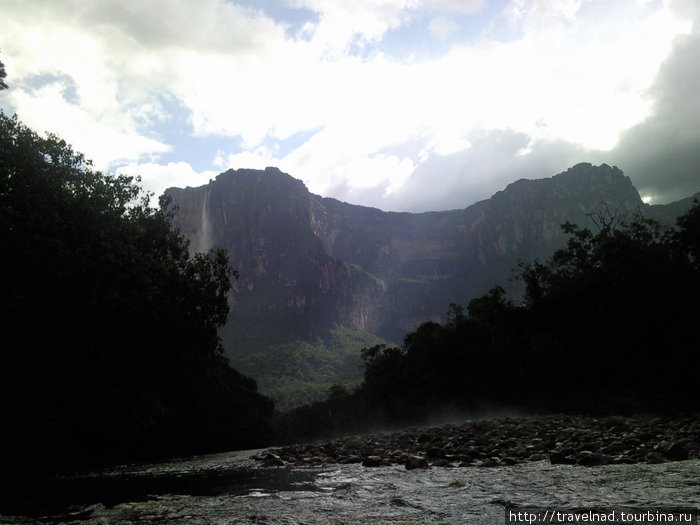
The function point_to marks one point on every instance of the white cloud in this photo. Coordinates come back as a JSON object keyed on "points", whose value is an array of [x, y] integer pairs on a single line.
{"points": [[102, 121], [259, 158], [583, 83], [570, 71], [386, 171], [104, 137], [442, 28], [156, 178], [454, 6]]}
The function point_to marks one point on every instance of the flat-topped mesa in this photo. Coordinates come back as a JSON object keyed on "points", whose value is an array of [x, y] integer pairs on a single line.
{"points": [[269, 224], [236, 196], [307, 262]]}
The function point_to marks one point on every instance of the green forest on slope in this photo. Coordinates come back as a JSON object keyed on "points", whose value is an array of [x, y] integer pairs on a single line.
{"points": [[295, 369]]}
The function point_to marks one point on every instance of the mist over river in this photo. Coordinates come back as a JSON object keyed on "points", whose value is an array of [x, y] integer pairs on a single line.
{"points": [[231, 488]]}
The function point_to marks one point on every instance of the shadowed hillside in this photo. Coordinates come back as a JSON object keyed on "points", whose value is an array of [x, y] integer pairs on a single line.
{"points": [[310, 264]]}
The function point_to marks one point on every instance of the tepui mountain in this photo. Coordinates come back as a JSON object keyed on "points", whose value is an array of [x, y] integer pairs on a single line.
{"points": [[309, 264]]}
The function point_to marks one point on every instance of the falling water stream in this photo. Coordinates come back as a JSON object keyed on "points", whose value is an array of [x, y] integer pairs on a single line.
{"points": [[206, 241]]}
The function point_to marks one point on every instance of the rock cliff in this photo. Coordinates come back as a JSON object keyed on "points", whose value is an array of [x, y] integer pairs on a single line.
{"points": [[308, 263], [270, 224]]}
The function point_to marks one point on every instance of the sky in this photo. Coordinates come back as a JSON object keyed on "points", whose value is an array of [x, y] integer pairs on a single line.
{"points": [[404, 105]]}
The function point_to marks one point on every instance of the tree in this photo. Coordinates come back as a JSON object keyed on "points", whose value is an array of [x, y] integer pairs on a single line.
{"points": [[112, 345], [489, 306], [621, 306], [3, 74], [687, 236], [608, 325]]}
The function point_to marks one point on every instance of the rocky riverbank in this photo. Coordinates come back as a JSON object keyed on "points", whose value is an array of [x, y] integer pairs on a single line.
{"points": [[572, 440]]}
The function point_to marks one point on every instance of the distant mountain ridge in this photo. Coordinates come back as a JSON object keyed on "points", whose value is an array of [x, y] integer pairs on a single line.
{"points": [[309, 263]]}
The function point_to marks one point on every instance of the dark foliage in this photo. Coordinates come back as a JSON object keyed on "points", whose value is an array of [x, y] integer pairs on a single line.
{"points": [[3, 74], [608, 324], [111, 349]]}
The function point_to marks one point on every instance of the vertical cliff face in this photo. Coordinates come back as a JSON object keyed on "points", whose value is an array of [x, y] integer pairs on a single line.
{"points": [[308, 263], [308, 260], [523, 221], [269, 223], [428, 260]]}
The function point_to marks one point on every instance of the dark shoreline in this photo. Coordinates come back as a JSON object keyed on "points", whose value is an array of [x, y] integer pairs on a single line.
{"points": [[563, 439]]}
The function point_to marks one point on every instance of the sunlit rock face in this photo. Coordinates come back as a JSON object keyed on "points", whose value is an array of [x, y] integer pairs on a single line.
{"points": [[310, 261]]}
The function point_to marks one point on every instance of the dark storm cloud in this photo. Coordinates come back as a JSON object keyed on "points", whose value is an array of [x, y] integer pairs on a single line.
{"points": [[662, 154]]}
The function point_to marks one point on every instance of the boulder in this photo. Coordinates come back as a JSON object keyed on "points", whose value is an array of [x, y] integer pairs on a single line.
{"points": [[413, 462], [272, 460], [491, 462], [350, 459], [435, 453], [676, 451], [372, 461], [587, 458], [655, 457], [562, 457]]}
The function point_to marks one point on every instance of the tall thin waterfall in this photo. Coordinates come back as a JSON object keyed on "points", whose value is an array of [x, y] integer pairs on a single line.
{"points": [[206, 238]]}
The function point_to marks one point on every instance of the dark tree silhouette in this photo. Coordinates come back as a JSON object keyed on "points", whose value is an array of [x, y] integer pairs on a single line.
{"points": [[608, 325], [3, 74], [111, 348]]}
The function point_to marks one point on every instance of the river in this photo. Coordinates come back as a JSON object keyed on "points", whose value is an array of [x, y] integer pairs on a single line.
{"points": [[231, 488]]}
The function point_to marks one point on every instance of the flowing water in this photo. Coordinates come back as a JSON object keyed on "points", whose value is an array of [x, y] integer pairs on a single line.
{"points": [[231, 489], [206, 240]]}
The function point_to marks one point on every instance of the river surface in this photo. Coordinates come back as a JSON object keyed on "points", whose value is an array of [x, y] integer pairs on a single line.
{"points": [[231, 489]]}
